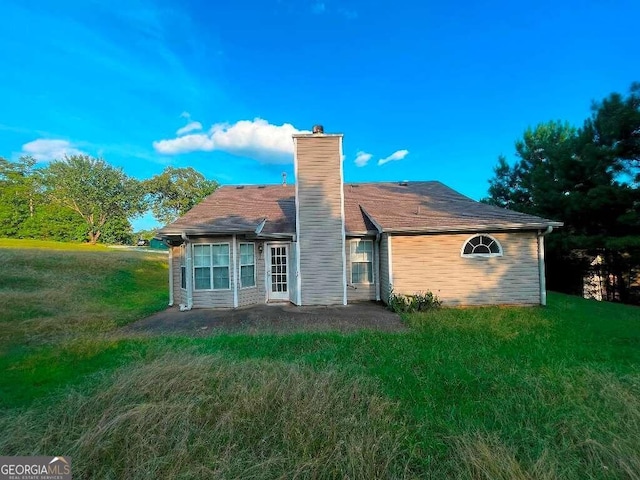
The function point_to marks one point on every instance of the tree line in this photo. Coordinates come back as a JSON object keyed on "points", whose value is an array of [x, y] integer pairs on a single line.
{"points": [[586, 176], [81, 198]]}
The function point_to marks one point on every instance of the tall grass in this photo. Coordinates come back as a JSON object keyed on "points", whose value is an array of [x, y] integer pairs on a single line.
{"points": [[186, 416]]}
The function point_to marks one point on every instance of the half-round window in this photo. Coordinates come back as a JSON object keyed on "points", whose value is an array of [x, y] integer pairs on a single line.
{"points": [[481, 246]]}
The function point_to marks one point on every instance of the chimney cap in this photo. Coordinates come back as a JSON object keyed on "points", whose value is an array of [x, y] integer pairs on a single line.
{"points": [[317, 129]]}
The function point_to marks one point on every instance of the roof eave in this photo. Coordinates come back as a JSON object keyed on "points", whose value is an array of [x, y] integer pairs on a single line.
{"points": [[475, 228]]}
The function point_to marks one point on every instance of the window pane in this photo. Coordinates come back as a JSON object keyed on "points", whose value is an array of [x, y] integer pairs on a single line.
{"points": [[183, 276], [246, 254], [361, 272], [220, 278], [220, 255], [202, 278], [247, 276], [201, 255]]}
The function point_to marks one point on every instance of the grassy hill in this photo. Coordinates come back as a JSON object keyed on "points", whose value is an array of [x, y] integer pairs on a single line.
{"points": [[467, 393]]}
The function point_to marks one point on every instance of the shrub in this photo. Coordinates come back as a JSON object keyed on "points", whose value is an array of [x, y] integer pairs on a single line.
{"points": [[418, 302]]}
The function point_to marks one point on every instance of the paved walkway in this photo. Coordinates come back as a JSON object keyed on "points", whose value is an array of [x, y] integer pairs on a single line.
{"points": [[270, 318]]}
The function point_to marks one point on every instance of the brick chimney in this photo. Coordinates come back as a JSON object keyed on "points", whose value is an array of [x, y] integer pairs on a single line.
{"points": [[320, 218]]}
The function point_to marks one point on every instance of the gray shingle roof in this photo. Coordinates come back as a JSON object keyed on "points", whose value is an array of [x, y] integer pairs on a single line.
{"points": [[394, 207]]}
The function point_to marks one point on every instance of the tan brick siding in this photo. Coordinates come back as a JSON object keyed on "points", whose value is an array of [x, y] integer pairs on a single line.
{"points": [[433, 262]]}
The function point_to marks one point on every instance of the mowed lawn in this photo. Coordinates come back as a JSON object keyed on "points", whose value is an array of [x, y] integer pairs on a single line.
{"points": [[467, 393]]}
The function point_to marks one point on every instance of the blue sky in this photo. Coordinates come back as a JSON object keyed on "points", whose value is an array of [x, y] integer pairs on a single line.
{"points": [[421, 90]]}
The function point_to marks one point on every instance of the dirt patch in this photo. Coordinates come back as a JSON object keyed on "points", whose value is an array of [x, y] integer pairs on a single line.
{"points": [[270, 318]]}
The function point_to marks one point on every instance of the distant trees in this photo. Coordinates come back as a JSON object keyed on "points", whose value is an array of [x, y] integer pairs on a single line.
{"points": [[94, 190], [175, 191], [84, 198], [587, 177]]}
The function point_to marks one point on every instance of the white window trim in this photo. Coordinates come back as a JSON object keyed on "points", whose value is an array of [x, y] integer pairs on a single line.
{"points": [[351, 262], [229, 267], [481, 255], [255, 268]]}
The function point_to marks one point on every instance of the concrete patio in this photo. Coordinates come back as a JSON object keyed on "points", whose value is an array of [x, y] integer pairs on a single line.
{"points": [[275, 318]]}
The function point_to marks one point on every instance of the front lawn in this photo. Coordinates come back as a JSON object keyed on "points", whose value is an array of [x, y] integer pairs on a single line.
{"points": [[467, 393]]}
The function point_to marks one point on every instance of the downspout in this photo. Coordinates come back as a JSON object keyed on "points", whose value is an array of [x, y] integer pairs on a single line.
{"points": [[376, 259], [189, 269], [170, 275], [235, 273], [541, 270], [390, 260]]}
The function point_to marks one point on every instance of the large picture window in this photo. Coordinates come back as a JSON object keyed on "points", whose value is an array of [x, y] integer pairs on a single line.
{"points": [[211, 266], [247, 265], [361, 261]]}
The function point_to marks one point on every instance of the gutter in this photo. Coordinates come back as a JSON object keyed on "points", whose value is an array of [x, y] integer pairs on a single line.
{"points": [[475, 228], [189, 272], [541, 270]]}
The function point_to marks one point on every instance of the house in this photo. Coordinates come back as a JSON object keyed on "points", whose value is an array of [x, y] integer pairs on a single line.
{"points": [[326, 242]]}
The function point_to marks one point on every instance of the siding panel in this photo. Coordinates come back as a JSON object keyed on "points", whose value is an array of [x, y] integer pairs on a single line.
{"points": [[384, 268], [320, 219], [433, 262], [177, 291]]}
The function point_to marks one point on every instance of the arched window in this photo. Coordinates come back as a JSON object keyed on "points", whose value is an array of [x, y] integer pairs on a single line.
{"points": [[481, 246]]}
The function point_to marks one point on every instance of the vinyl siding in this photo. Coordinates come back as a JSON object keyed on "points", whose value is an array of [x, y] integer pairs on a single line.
{"points": [[433, 262], [384, 268], [177, 291], [253, 295], [320, 219], [359, 292]]}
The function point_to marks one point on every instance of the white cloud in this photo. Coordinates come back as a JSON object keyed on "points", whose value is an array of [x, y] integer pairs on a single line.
{"points": [[45, 150], [189, 127], [362, 158], [258, 139], [399, 155], [188, 143]]}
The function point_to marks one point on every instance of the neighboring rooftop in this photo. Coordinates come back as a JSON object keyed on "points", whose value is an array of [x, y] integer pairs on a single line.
{"points": [[392, 206]]}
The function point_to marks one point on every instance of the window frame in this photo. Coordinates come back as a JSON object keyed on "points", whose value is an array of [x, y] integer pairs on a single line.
{"points": [[481, 255], [254, 264], [352, 247], [211, 266]]}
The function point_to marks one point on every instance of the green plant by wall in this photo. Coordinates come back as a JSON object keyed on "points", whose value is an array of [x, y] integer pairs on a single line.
{"points": [[418, 302]]}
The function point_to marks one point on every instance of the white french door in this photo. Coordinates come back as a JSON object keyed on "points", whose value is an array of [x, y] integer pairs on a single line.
{"points": [[278, 271]]}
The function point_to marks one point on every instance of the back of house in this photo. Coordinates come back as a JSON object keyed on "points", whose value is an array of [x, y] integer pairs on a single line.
{"points": [[326, 242]]}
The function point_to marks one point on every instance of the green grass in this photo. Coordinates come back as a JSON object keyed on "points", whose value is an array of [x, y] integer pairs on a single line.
{"points": [[467, 393]]}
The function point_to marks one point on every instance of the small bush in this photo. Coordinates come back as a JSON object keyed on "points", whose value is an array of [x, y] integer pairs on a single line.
{"points": [[418, 302]]}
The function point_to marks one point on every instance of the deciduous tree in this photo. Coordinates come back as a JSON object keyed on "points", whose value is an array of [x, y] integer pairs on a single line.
{"points": [[95, 190], [175, 191]]}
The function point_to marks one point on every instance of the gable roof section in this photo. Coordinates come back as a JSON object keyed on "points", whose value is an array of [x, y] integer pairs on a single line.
{"points": [[434, 207], [240, 209], [413, 207]]}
